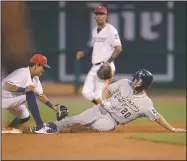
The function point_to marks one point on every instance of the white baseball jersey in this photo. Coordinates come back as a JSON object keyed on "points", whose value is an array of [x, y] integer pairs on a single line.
{"points": [[126, 106], [21, 78], [103, 43]]}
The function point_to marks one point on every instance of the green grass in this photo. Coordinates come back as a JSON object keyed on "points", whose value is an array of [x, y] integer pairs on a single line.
{"points": [[169, 92], [174, 112], [173, 138], [48, 114]]}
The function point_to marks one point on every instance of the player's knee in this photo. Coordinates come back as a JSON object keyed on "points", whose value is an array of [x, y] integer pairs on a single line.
{"points": [[108, 127], [103, 125], [88, 95]]}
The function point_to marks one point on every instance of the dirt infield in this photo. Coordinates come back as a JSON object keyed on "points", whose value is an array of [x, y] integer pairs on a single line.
{"points": [[78, 143]]}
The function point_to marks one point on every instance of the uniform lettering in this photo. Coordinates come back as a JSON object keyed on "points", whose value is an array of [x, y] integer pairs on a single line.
{"points": [[126, 102], [125, 113], [98, 39]]}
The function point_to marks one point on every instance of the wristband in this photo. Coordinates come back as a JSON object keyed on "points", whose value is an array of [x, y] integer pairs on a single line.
{"points": [[21, 89], [49, 104], [110, 59]]}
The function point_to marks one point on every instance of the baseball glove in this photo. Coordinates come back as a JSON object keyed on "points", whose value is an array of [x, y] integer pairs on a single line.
{"points": [[105, 72], [62, 112]]}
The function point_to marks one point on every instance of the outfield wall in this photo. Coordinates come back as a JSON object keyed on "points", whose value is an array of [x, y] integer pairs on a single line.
{"points": [[152, 35]]}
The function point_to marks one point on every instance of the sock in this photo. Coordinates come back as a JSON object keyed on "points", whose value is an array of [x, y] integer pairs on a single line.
{"points": [[16, 121], [33, 107]]}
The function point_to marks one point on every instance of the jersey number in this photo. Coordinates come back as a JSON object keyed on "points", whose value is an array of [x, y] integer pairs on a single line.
{"points": [[125, 113]]}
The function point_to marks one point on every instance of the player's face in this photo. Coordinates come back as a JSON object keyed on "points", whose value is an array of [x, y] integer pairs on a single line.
{"points": [[39, 70], [100, 18], [137, 83]]}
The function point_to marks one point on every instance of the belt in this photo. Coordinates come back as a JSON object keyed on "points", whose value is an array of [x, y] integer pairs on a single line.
{"points": [[98, 63]]}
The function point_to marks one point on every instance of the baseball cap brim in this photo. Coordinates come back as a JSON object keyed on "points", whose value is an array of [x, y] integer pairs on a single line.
{"points": [[99, 12], [46, 66]]}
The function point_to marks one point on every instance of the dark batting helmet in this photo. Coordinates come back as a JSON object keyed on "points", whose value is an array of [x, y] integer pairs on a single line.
{"points": [[143, 76]]}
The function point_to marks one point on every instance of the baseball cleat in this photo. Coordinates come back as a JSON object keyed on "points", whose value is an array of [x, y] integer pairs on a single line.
{"points": [[43, 130], [51, 125]]}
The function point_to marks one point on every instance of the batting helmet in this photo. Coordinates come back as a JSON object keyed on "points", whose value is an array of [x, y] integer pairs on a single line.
{"points": [[143, 76]]}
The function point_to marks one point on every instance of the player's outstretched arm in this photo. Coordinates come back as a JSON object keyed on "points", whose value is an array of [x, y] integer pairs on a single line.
{"points": [[61, 111], [46, 101], [167, 126]]}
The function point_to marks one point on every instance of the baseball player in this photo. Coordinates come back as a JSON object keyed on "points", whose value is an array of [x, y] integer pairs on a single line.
{"points": [[23, 85], [123, 102], [105, 48]]}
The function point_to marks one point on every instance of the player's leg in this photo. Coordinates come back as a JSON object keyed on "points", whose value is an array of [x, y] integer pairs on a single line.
{"points": [[106, 123], [21, 113], [89, 85], [11, 103], [100, 84], [85, 118], [16, 107]]}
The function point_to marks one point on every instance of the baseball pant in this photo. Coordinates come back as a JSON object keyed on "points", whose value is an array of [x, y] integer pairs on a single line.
{"points": [[93, 86], [16, 106], [95, 118]]}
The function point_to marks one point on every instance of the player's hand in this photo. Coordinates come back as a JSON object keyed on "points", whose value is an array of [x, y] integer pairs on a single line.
{"points": [[106, 103], [80, 54], [57, 107], [178, 130], [29, 88]]}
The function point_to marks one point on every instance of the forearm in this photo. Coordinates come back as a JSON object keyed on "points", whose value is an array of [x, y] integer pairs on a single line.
{"points": [[106, 93], [12, 88], [46, 101], [115, 54], [164, 123]]}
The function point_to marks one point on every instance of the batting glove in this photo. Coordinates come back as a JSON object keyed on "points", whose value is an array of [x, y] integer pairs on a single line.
{"points": [[106, 103]]}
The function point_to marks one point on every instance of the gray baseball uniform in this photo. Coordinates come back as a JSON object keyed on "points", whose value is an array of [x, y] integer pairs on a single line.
{"points": [[121, 108]]}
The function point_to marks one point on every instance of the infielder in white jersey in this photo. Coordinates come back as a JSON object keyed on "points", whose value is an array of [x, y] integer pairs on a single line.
{"points": [[123, 102], [21, 86], [105, 48]]}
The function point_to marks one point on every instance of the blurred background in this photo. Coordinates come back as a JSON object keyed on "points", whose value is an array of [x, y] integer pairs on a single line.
{"points": [[153, 35]]}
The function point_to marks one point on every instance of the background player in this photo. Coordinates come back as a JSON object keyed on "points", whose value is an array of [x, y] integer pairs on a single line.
{"points": [[124, 101], [22, 85], [106, 47]]}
